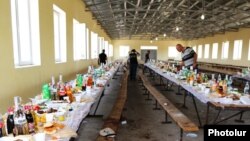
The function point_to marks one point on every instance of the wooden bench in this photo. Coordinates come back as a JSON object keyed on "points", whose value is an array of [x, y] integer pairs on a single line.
{"points": [[113, 119], [181, 120]]}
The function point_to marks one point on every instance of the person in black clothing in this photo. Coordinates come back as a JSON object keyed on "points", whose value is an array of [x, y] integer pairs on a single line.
{"points": [[102, 57], [147, 56], [133, 63]]}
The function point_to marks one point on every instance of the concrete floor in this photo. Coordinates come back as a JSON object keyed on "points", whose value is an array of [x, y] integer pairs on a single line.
{"points": [[144, 123]]}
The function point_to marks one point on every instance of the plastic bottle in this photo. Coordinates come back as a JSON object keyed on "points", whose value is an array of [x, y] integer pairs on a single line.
{"points": [[246, 89], [219, 78]]}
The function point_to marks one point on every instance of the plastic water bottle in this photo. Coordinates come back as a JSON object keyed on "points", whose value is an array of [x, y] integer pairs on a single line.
{"points": [[246, 89], [219, 78]]}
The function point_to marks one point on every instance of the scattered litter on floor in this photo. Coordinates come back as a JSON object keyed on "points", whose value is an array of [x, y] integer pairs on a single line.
{"points": [[124, 122], [192, 135]]}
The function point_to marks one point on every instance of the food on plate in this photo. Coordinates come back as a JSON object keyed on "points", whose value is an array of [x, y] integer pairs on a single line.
{"points": [[234, 96], [47, 125], [59, 125], [51, 128]]}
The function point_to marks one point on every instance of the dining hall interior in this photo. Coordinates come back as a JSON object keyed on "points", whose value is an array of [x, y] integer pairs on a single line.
{"points": [[125, 70]]}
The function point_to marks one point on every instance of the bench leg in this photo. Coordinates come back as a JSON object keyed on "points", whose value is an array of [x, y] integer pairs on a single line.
{"points": [[181, 134], [146, 92], [148, 96], [156, 106], [166, 119]]}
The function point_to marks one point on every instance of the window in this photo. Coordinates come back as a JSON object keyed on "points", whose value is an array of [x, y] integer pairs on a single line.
{"points": [[200, 51], [224, 52], [172, 52], [110, 54], [25, 32], [194, 48], [237, 49], [101, 44], [106, 47], [79, 40], [215, 51], [206, 52], [87, 42], [124, 51], [59, 34], [94, 45]]}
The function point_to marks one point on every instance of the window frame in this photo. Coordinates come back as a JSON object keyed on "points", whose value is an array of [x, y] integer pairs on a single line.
{"points": [[206, 51], [20, 46], [223, 56], [237, 50], [215, 55], [200, 51], [60, 46]]}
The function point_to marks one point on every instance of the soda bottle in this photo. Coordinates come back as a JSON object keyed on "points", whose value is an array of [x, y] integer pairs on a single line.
{"points": [[10, 120]]}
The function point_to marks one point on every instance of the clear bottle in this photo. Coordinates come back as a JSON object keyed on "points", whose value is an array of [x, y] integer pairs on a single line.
{"points": [[246, 89], [219, 78]]}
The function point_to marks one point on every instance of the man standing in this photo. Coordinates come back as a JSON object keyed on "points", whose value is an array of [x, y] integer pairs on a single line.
{"points": [[188, 55], [102, 57], [133, 64], [147, 56]]}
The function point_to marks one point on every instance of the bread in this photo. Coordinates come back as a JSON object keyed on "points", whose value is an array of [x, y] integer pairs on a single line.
{"points": [[58, 125], [49, 131], [46, 125]]}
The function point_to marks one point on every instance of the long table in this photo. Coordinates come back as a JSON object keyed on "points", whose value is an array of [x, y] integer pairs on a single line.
{"points": [[217, 103], [77, 115]]}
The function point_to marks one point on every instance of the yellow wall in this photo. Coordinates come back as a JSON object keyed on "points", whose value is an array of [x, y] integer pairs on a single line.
{"points": [[27, 82], [242, 34], [162, 52]]}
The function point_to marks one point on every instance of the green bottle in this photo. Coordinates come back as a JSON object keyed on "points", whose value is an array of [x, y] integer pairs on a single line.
{"points": [[46, 92]]}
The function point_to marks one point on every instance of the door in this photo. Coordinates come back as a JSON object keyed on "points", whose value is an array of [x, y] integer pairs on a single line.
{"points": [[152, 55]]}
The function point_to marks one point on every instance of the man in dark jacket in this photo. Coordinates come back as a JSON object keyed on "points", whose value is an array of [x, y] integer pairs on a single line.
{"points": [[147, 56], [133, 64], [102, 57]]}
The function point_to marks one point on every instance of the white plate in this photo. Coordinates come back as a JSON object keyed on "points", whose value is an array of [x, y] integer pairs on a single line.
{"points": [[245, 100]]}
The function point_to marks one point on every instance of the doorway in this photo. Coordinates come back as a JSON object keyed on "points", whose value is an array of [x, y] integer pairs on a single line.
{"points": [[153, 52]]}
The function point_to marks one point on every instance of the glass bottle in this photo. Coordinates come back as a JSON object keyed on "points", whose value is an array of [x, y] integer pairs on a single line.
{"points": [[30, 121], [61, 88], [10, 120]]}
